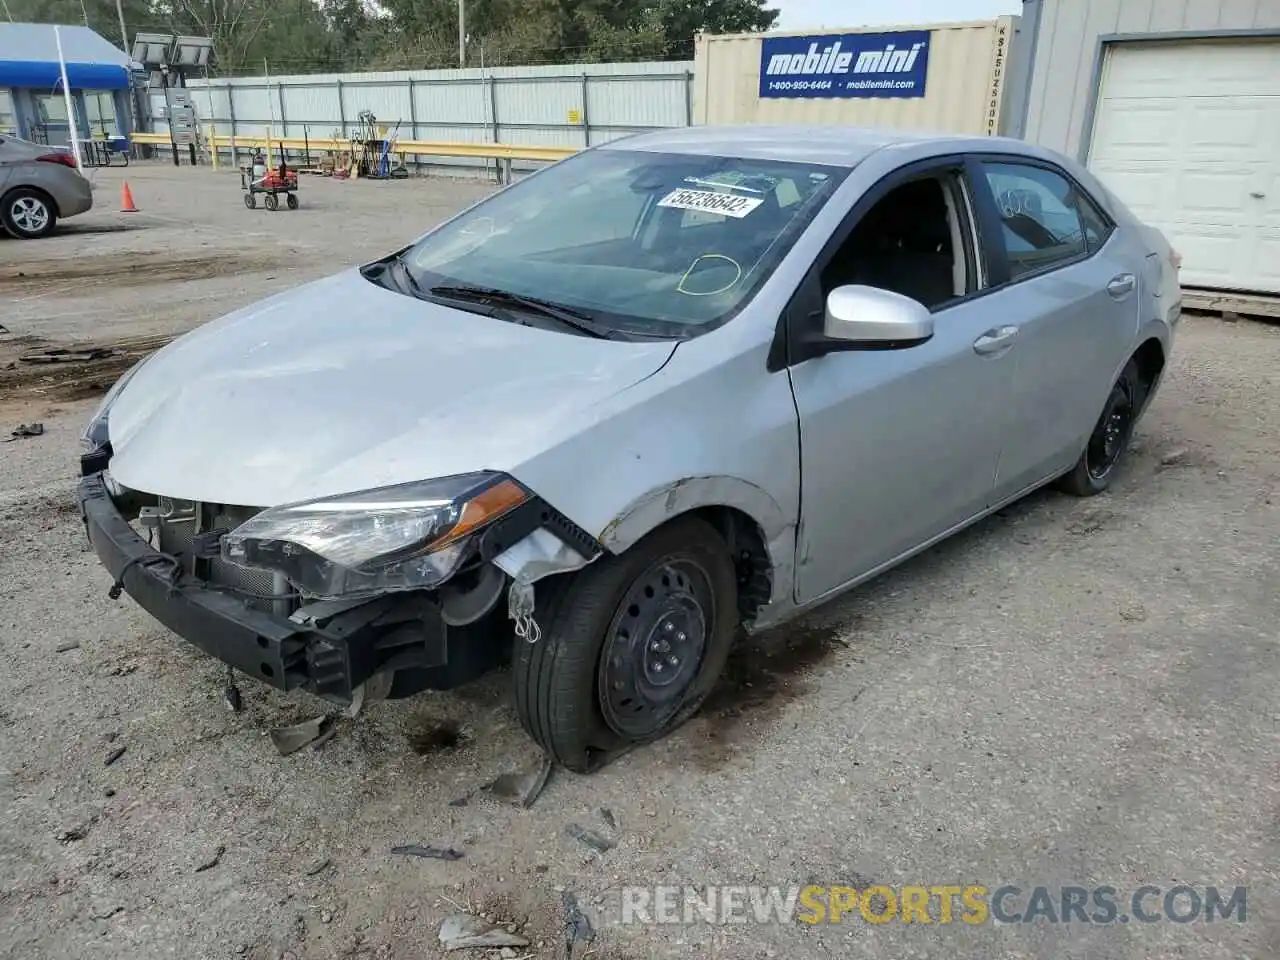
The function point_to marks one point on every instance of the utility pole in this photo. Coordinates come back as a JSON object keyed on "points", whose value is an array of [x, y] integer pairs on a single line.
{"points": [[124, 34], [462, 33]]}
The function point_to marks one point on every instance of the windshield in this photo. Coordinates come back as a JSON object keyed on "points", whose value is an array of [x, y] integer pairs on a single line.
{"points": [[654, 243]]}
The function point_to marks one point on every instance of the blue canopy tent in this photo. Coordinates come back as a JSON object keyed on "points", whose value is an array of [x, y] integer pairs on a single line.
{"points": [[31, 100]]}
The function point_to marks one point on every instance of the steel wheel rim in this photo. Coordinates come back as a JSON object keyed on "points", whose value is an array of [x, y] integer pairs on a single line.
{"points": [[655, 647], [31, 215], [1111, 434]]}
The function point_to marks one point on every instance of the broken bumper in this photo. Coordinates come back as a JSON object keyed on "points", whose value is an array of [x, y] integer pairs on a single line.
{"points": [[331, 656]]}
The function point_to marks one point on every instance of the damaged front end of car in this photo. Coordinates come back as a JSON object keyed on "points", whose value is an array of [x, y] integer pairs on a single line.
{"points": [[403, 584]]}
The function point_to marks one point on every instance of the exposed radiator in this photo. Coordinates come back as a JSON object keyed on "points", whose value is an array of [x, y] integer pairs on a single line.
{"points": [[180, 520]]}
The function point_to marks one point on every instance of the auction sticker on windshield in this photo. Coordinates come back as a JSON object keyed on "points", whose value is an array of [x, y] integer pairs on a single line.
{"points": [[709, 202]]}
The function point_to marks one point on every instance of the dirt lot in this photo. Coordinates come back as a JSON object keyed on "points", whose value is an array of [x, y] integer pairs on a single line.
{"points": [[1073, 693]]}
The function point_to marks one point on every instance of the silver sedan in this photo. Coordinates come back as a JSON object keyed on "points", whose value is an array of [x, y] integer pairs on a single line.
{"points": [[39, 185], [679, 384]]}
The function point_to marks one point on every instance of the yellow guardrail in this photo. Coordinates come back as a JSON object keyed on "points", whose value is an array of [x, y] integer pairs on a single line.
{"points": [[426, 148]]}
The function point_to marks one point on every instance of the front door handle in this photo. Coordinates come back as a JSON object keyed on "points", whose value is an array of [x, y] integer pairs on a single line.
{"points": [[1122, 286], [995, 341]]}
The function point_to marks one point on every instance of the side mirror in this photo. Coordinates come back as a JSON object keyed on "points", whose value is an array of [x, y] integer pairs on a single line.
{"points": [[874, 319]]}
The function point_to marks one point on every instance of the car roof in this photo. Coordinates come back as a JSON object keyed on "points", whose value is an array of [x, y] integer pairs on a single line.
{"points": [[836, 146]]}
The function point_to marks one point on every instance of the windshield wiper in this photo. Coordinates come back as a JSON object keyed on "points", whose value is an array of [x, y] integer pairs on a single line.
{"points": [[501, 298], [410, 280]]}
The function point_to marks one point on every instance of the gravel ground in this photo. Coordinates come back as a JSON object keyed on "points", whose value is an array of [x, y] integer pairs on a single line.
{"points": [[1072, 693]]}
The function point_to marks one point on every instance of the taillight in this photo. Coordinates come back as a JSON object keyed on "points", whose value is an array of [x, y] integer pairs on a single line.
{"points": [[66, 159]]}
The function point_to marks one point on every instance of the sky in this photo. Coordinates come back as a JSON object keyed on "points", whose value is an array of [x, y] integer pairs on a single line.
{"points": [[804, 14]]}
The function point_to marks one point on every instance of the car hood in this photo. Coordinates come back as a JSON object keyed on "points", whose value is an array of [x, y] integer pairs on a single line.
{"points": [[342, 385]]}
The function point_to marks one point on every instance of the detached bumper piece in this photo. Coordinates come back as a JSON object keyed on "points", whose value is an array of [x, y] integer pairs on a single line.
{"points": [[329, 649]]}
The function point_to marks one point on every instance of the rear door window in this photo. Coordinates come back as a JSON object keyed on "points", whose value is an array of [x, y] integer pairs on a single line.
{"points": [[1044, 220]]}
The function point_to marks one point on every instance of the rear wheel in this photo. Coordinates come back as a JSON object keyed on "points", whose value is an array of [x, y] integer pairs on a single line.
{"points": [[292, 200], [1109, 441], [271, 201], [27, 214], [631, 646], [250, 201]]}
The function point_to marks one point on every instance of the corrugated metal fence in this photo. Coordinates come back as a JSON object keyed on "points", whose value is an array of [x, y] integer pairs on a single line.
{"points": [[559, 106]]}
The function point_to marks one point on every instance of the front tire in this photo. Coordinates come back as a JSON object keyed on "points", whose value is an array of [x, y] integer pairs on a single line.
{"points": [[1109, 442], [631, 645], [28, 214]]}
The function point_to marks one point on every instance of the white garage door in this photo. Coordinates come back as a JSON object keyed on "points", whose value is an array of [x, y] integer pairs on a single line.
{"points": [[1188, 135]]}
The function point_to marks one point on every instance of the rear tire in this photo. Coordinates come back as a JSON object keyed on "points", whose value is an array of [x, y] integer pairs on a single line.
{"points": [[631, 645], [250, 201], [1109, 443], [292, 200], [27, 214], [271, 201]]}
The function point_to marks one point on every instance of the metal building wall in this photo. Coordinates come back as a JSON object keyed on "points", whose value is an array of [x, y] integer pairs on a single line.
{"points": [[1066, 59], [963, 86], [575, 106]]}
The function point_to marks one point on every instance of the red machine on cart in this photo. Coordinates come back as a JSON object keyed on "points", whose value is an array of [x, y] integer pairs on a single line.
{"points": [[271, 183]]}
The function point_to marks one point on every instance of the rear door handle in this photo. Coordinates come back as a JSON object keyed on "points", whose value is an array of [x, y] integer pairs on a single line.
{"points": [[1122, 286], [995, 341]]}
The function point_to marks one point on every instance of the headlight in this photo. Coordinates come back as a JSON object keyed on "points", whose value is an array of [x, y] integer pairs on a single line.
{"points": [[95, 435], [407, 537]]}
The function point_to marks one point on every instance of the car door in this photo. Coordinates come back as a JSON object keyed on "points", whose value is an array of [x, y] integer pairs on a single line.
{"points": [[8, 157], [897, 446], [1073, 291]]}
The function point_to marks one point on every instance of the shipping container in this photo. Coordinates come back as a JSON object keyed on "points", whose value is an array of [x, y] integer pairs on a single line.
{"points": [[948, 77]]}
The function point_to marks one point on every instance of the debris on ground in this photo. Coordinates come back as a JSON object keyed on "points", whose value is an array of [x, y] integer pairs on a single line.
{"points": [[607, 816], [292, 739], [212, 861], [106, 914], [24, 430], [64, 355], [430, 853], [592, 839], [522, 787], [114, 755], [324, 738], [317, 866], [374, 689], [67, 647], [463, 932], [577, 926], [461, 801], [74, 833]]}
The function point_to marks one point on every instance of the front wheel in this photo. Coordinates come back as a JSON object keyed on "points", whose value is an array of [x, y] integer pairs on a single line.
{"points": [[631, 646], [1109, 441], [271, 201], [292, 200]]}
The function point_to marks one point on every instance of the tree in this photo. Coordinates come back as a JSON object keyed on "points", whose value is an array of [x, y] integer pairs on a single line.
{"points": [[683, 19]]}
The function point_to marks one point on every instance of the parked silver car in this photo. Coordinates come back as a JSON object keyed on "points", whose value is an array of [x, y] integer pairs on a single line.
{"points": [[39, 185], [682, 383]]}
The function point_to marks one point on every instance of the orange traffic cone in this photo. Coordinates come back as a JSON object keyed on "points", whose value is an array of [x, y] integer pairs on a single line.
{"points": [[126, 199]]}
